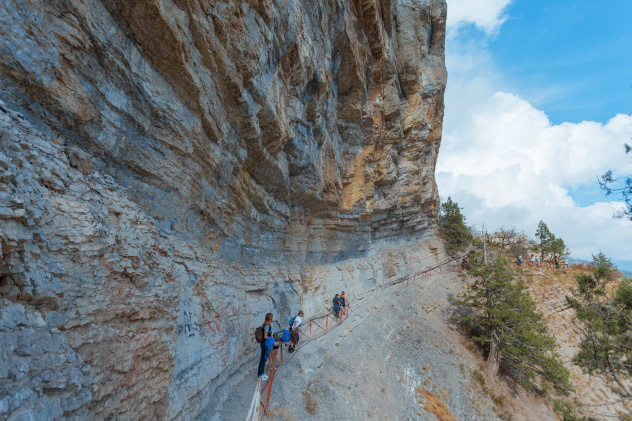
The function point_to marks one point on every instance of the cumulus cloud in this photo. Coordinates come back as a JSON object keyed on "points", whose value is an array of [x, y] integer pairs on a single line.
{"points": [[487, 15], [472, 78], [507, 165]]}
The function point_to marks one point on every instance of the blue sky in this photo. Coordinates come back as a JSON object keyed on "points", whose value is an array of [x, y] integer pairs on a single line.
{"points": [[571, 59], [538, 104]]}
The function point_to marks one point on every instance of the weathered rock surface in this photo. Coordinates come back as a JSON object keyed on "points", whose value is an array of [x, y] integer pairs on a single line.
{"points": [[170, 171]]}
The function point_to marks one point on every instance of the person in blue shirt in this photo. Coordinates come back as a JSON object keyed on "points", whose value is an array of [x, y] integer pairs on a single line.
{"points": [[267, 334]]}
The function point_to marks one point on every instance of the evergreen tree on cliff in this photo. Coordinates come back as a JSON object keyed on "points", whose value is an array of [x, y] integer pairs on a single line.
{"points": [[452, 227], [605, 316], [607, 183], [505, 320], [544, 237]]}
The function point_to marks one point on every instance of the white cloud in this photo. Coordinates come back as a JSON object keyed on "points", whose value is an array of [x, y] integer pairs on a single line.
{"points": [[507, 165], [488, 15], [472, 78]]}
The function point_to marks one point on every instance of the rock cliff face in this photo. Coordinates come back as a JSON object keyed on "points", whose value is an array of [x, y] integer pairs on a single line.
{"points": [[172, 170]]}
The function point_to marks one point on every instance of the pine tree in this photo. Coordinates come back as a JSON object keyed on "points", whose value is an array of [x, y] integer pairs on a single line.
{"points": [[507, 323], [545, 238], [605, 317], [609, 184], [452, 227], [557, 246]]}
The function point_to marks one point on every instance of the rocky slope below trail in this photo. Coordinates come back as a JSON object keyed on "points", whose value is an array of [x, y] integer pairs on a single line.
{"points": [[549, 287], [172, 170]]}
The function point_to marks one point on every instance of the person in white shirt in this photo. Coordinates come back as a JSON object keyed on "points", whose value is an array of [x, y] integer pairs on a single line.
{"points": [[295, 322]]}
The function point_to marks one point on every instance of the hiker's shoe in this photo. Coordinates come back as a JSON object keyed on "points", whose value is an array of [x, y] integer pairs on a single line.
{"points": [[290, 349], [264, 377]]}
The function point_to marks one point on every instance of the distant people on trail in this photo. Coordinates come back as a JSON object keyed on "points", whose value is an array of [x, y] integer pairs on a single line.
{"points": [[556, 260], [337, 306], [537, 260], [532, 259], [519, 260], [267, 343], [565, 263], [295, 322], [465, 265]]}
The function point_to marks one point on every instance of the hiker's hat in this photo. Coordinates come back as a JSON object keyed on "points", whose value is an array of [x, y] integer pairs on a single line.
{"points": [[300, 312]]}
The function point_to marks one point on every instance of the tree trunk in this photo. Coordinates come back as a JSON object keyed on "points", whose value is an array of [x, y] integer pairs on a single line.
{"points": [[493, 359]]}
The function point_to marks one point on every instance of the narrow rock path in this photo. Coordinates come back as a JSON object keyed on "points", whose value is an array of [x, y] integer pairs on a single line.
{"points": [[397, 358], [387, 357], [392, 361]]}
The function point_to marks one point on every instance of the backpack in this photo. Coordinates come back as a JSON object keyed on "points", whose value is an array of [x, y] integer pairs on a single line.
{"points": [[259, 334], [292, 321]]}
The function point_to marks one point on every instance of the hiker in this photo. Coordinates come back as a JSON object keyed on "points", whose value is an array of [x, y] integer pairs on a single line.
{"points": [[465, 265], [537, 260], [343, 303], [565, 263], [295, 322], [519, 260], [532, 259], [266, 344], [557, 262], [337, 307]]}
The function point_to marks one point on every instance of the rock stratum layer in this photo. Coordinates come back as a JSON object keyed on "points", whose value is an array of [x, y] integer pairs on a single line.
{"points": [[172, 170]]}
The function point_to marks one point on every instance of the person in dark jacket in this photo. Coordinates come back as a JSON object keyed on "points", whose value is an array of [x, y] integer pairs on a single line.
{"points": [[337, 306]]}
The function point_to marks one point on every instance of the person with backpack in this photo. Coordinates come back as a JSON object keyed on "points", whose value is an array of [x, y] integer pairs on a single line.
{"points": [[264, 336], [465, 264], [337, 307], [295, 322], [519, 260]]}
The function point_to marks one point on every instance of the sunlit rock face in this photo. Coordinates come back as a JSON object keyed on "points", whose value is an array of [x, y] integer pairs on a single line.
{"points": [[172, 170]]}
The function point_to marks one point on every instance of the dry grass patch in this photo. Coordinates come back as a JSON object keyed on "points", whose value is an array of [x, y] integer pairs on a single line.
{"points": [[434, 405], [284, 413]]}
